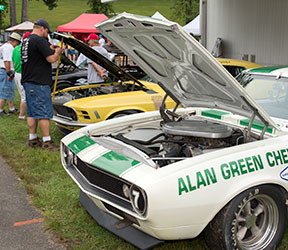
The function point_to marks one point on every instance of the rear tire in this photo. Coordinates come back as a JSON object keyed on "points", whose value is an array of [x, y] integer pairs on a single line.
{"points": [[253, 220]]}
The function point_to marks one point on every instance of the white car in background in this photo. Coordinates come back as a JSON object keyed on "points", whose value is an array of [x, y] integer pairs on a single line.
{"points": [[218, 164]]}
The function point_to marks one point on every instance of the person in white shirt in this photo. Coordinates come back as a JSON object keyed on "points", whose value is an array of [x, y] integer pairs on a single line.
{"points": [[7, 84], [96, 73], [101, 40]]}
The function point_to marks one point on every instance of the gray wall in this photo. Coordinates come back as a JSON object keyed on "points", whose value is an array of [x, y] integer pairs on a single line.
{"points": [[249, 27]]}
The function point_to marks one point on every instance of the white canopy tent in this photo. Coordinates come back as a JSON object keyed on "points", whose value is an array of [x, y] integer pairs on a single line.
{"points": [[158, 15], [25, 26], [193, 26]]}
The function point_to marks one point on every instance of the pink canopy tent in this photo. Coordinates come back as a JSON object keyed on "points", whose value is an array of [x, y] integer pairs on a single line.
{"points": [[83, 25]]}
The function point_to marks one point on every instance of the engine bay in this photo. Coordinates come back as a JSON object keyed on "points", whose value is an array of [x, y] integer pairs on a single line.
{"points": [[180, 140], [82, 92], [177, 136]]}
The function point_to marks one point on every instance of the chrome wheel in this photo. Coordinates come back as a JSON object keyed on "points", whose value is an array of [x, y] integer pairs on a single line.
{"points": [[256, 222], [255, 219]]}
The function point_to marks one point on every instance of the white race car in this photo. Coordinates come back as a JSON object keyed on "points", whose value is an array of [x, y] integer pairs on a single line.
{"points": [[218, 164]]}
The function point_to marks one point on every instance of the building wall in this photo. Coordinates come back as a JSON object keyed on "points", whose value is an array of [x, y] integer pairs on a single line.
{"points": [[250, 29]]}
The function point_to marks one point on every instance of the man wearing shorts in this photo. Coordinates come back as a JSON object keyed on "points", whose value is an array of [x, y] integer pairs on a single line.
{"points": [[36, 57], [7, 84]]}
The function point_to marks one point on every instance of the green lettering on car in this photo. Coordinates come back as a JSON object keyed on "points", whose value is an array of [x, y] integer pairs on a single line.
{"points": [[258, 162], [234, 168], [284, 155], [249, 164], [269, 157], [277, 157], [226, 173], [200, 180], [242, 166], [210, 176], [182, 186], [191, 188]]}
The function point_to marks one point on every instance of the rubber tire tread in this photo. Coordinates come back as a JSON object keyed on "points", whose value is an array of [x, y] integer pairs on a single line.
{"points": [[215, 233]]}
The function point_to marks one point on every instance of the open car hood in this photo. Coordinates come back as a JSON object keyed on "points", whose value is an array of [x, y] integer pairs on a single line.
{"points": [[180, 64], [96, 57]]}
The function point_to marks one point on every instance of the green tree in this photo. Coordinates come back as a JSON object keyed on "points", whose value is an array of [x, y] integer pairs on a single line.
{"points": [[97, 7], [51, 4], [185, 10], [3, 12]]}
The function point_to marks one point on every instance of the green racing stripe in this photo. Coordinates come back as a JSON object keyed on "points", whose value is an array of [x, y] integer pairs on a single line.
{"points": [[256, 125], [114, 163], [81, 143], [217, 114], [266, 70]]}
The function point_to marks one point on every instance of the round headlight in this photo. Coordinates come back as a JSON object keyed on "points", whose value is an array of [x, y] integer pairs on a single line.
{"points": [[67, 156], [138, 199]]}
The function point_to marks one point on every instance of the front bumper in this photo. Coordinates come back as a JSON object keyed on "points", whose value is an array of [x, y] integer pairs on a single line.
{"points": [[132, 235], [69, 123], [66, 126]]}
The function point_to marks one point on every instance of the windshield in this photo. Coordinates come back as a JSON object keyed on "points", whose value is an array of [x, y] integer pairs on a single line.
{"points": [[269, 92]]}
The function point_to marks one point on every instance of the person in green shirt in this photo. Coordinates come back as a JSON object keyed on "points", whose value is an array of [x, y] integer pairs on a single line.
{"points": [[16, 58]]}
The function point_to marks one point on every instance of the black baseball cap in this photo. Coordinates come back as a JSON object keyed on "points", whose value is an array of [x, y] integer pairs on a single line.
{"points": [[43, 23]]}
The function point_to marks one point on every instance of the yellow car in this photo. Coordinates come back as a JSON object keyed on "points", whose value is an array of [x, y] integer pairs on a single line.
{"points": [[80, 106], [234, 67]]}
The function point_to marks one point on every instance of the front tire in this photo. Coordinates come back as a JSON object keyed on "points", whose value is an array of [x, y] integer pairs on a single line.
{"points": [[255, 219]]}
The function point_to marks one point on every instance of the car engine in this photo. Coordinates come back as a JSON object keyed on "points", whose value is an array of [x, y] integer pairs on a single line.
{"points": [[178, 140], [65, 96]]}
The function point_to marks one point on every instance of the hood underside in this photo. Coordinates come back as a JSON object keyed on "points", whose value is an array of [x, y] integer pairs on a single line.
{"points": [[180, 64], [96, 57]]}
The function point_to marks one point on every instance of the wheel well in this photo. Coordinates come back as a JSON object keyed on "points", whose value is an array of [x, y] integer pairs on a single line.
{"points": [[282, 189], [218, 233], [124, 112]]}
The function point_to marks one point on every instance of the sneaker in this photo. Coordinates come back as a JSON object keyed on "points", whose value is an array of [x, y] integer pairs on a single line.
{"points": [[50, 146], [3, 113], [15, 111], [35, 143]]}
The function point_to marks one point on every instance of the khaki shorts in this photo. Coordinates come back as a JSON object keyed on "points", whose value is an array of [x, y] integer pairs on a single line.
{"points": [[20, 88]]}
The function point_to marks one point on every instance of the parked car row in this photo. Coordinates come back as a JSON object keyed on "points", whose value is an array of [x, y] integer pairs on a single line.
{"points": [[86, 104], [215, 162]]}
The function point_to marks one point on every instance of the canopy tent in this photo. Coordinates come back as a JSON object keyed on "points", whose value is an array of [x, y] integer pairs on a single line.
{"points": [[25, 26], [158, 15], [83, 25], [193, 26]]}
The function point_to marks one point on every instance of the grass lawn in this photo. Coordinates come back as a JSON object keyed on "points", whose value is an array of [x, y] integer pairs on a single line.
{"points": [[68, 10], [55, 194]]}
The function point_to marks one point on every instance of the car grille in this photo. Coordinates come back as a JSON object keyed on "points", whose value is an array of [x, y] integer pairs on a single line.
{"points": [[64, 112], [102, 183]]}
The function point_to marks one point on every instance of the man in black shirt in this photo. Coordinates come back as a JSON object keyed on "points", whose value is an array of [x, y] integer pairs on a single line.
{"points": [[36, 57]]}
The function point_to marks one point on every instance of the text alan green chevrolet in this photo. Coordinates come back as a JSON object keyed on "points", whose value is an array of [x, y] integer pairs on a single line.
{"points": [[218, 164]]}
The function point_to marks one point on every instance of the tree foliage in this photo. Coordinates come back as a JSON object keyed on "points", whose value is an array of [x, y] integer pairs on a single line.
{"points": [[3, 12], [51, 4], [185, 10], [97, 7]]}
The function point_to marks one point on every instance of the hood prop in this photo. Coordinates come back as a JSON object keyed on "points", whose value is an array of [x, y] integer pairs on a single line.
{"points": [[248, 134], [168, 115]]}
